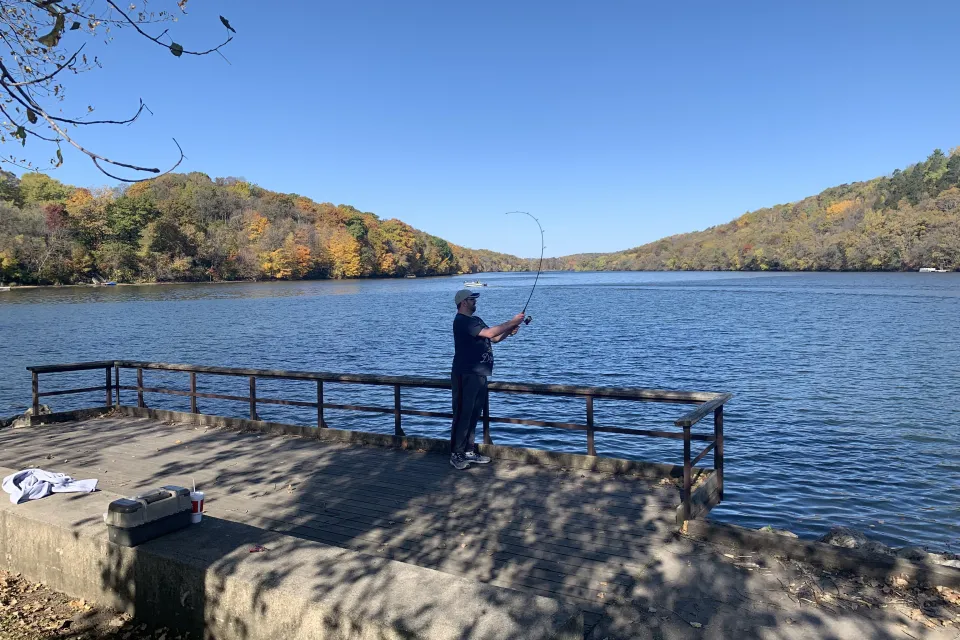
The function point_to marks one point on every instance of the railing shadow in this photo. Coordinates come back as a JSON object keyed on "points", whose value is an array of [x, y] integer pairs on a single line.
{"points": [[596, 540]]}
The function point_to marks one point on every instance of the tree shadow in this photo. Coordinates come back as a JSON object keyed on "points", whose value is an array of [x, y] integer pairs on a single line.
{"points": [[606, 543]]}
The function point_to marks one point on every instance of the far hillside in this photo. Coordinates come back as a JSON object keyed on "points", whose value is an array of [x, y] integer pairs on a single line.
{"points": [[187, 227], [908, 220]]}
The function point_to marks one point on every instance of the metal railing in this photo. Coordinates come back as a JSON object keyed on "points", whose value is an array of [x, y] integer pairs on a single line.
{"points": [[707, 403]]}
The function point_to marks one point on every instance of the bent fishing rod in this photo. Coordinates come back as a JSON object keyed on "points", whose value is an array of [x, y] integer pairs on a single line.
{"points": [[527, 319]]}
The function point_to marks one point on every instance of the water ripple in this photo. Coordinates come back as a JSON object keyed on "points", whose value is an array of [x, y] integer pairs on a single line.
{"points": [[844, 382]]}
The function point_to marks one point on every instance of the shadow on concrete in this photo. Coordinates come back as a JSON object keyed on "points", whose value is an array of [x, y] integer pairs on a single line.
{"points": [[605, 543]]}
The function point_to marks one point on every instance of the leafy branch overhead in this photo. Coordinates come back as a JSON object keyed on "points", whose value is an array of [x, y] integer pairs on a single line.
{"points": [[40, 47]]}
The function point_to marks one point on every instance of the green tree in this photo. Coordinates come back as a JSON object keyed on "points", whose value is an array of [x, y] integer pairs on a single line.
{"points": [[127, 216], [38, 187], [117, 261]]}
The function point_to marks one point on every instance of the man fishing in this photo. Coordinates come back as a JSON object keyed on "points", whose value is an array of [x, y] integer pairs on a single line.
{"points": [[472, 365]]}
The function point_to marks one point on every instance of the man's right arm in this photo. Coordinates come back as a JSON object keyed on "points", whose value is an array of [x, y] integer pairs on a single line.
{"points": [[506, 327]]}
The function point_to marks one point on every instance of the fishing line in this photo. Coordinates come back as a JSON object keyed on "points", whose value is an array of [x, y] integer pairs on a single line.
{"points": [[543, 246]]}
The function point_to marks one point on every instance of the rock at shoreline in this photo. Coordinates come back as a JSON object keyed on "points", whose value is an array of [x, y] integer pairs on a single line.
{"points": [[844, 537], [946, 559], [23, 420], [778, 532], [914, 554], [853, 539]]}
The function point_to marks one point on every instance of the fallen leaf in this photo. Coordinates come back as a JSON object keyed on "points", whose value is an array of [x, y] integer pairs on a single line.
{"points": [[696, 625]]}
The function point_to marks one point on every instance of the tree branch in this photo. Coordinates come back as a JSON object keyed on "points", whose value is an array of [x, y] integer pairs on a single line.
{"points": [[146, 35], [38, 56], [33, 105], [50, 75], [130, 166], [86, 122], [97, 157], [12, 121]]}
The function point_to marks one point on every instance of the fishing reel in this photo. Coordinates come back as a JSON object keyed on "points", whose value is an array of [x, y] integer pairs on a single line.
{"points": [[527, 319]]}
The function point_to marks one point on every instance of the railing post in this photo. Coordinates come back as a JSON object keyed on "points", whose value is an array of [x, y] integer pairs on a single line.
{"points": [[253, 397], [140, 402], [116, 385], [109, 387], [591, 449], [36, 393], [718, 449], [193, 392], [397, 428], [320, 423], [687, 474], [486, 420]]}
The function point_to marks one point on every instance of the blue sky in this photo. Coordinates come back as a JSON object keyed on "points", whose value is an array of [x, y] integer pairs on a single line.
{"points": [[616, 123]]}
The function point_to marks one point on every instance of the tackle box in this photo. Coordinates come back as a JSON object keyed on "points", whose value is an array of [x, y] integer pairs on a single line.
{"points": [[132, 521]]}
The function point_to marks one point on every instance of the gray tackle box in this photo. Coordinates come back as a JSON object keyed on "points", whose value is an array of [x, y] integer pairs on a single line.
{"points": [[131, 521]]}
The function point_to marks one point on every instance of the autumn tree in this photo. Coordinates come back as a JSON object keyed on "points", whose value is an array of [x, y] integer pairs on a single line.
{"points": [[345, 252], [189, 227]]}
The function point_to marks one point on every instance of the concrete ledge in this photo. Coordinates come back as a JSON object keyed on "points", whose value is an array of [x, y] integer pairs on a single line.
{"points": [[69, 416], [204, 580], [648, 470], [822, 555]]}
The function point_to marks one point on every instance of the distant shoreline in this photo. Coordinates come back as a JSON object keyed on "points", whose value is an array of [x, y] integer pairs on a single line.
{"points": [[183, 282]]}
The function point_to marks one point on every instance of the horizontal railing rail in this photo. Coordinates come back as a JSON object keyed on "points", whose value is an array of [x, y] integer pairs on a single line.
{"points": [[706, 403]]}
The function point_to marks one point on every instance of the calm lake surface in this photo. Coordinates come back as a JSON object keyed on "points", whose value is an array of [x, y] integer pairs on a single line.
{"points": [[846, 385]]}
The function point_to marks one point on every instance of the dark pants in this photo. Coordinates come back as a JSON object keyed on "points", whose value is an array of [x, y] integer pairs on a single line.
{"points": [[469, 397]]}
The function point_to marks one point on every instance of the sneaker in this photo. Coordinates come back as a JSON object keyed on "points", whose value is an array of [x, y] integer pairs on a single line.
{"points": [[473, 456], [459, 461]]}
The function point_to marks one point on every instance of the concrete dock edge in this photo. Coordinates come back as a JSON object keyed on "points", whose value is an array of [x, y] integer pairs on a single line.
{"points": [[205, 580]]}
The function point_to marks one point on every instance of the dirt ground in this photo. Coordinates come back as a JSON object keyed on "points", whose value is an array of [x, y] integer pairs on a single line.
{"points": [[31, 611], [785, 599]]}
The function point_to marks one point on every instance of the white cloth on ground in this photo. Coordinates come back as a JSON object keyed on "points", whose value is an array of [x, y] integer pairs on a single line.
{"points": [[33, 484]]}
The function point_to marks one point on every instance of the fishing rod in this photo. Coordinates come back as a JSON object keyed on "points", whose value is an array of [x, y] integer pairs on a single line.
{"points": [[527, 319]]}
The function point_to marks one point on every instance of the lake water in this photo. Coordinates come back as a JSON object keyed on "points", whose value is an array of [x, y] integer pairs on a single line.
{"points": [[846, 384]]}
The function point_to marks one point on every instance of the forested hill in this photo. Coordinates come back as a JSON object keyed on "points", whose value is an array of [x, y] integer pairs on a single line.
{"points": [[187, 227], [906, 221]]}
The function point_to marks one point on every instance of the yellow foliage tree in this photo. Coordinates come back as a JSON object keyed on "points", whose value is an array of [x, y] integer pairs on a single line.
{"points": [[258, 226], [840, 209], [138, 189], [297, 258], [88, 213], [275, 264], [79, 199], [345, 251], [303, 260], [241, 188]]}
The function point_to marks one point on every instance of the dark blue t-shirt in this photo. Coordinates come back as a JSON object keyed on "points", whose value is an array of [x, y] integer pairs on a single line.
{"points": [[472, 354]]}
